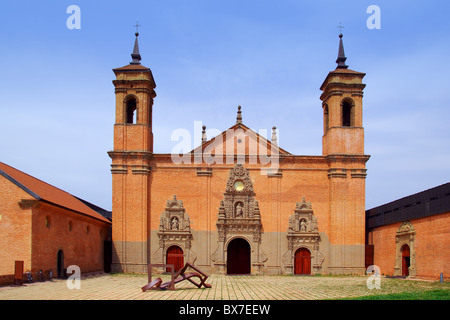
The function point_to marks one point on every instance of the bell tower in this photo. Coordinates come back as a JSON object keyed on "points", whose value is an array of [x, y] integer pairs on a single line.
{"points": [[343, 149], [135, 91], [343, 132], [130, 168]]}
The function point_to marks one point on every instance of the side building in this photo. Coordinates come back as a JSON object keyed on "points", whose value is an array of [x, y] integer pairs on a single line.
{"points": [[410, 237], [48, 229]]}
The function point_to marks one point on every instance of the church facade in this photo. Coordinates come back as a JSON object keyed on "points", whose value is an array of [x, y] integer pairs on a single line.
{"points": [[239, 203]]}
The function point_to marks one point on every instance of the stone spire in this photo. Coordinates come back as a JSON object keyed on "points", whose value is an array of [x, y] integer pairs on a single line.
{"points": [[274, 136], [135, 55], [204, 138], [341, 55], [239, 115]]}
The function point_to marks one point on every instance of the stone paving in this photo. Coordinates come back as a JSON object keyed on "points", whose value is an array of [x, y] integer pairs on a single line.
{"points": [[128, 287]]}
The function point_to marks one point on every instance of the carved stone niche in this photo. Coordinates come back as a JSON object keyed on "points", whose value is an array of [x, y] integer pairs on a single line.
{"points": [[239, 217], [174, 229], [303, 232], [406, 235]]}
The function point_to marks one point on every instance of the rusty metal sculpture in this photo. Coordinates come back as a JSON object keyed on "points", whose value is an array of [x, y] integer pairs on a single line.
{"points": [[178, 277]]}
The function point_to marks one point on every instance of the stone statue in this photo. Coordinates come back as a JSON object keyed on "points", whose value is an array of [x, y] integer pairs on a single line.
{"points": [[303, 225], [175, 224], [239, 211]]}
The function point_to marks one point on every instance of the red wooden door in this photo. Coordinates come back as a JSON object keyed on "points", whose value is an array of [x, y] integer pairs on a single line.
{"points": [[238, 257], [405, 260], [175, 256], [302, 261]]}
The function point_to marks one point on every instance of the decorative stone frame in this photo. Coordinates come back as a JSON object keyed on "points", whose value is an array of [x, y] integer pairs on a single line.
{"points": [[303, 233], [174, 234], [245, 224], [406, 234]]}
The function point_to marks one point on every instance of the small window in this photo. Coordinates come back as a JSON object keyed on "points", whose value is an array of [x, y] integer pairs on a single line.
{"points": [[47, 221], [326, 118], [88, 229], [131, 111], [70, 226]]}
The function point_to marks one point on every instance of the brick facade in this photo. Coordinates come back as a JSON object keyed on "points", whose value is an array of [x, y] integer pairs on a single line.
{"points": [[333, 184]]}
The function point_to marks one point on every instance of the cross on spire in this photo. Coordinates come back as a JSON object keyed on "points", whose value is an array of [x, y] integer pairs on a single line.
{"points": [[135, 55], [137, 25], [341, 55], [340, 27]]}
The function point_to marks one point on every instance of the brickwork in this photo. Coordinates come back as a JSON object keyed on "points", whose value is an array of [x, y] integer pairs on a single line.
{"points": [[431, 246], [82, 242], [15, 229], [33, 229], [333, 183]]}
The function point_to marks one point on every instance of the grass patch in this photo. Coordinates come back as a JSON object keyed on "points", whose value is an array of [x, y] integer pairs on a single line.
{"points": [[438, 294]]}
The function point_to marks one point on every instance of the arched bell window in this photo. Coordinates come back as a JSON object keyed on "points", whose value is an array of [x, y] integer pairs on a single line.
{"points": [[348, 113], [131, 110]]}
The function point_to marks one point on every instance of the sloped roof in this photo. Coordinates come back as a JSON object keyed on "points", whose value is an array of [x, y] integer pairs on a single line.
{"points": [[419, 205], [41, 190], [249, 132], [132, 67], [341, 72]]}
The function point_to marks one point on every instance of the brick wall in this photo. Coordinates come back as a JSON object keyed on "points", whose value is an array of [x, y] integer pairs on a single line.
{"points": [[35, 231], [15, 229], [82, 244], [432, 246]]}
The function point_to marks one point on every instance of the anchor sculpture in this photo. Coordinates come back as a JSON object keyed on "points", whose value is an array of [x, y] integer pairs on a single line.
{"points": [[177, 278]]}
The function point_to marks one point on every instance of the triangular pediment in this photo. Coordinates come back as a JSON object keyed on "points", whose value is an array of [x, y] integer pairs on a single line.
{"points": [[239, 140]]}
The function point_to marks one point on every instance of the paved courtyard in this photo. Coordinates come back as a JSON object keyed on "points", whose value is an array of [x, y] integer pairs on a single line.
{"points": [[128, 287]]}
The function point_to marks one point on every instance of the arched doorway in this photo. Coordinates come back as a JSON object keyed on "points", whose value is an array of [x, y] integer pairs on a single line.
{"points": [[175, 256], [238, 257], [302, 261], [405, 260], [60, 264]]}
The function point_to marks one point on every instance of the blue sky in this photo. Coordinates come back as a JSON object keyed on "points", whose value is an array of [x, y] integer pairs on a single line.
{"points": [[208, 57]]}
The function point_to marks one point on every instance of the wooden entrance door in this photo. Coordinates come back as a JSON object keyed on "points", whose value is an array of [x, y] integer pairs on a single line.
{"points": [[405, 260], [302, 261], [175, 256], [238, 257]]}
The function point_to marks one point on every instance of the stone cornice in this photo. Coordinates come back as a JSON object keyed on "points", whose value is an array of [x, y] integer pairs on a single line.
{"points": [[204, 173], [144, 155], [353, 158], [133, 81], [28, 203]]}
